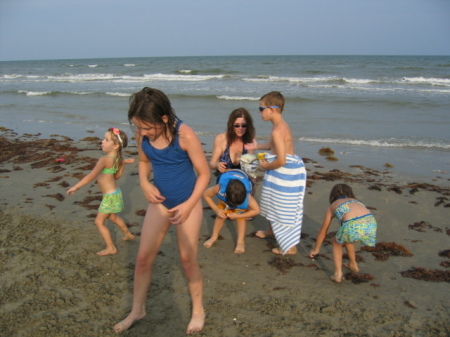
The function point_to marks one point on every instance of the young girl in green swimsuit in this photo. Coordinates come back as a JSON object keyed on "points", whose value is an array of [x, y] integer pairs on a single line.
{"points": [[108, 169]]}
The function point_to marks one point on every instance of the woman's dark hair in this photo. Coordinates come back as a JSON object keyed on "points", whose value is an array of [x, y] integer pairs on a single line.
{"points": [[340, 191], [150, 105], [249, 134]]}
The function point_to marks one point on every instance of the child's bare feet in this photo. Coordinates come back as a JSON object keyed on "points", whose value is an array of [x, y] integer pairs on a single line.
{"points": [[353, 267], [196, 324], [127, 322], [208, 243], [128, 236], [263, 234], [107, 251], [240, 248], [336, 278]]}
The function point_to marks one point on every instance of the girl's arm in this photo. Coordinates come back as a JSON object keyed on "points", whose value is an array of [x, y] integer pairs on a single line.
{"points": [[322, 232], [151, 193], [121, 168], [190, 143], [89, 177], [253, 210]]}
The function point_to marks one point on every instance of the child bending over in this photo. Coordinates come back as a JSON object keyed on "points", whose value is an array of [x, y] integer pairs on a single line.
{"points": [[356, 224], [235, 203]]}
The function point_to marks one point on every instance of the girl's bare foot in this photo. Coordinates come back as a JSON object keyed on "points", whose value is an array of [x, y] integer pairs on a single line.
{"points": [[336, 278], [196, 324], [353, 267], [127, 322], [107, 251], [128, 236], [240, 248], [208, 243]]}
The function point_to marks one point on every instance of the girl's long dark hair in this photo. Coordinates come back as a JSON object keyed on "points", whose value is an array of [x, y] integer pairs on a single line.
{"points": [[150, 105], [341, 191]]}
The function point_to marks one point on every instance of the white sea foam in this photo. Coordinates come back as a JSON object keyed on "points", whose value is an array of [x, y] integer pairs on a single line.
{"points": [[185, 71], [93, 65], [119, 94], [238, 98], [34, 93], [378, 143], [129, 65], [431, 80]]}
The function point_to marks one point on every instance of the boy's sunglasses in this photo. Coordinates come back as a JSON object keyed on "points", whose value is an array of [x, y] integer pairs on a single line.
{"points": [[262, 108]]}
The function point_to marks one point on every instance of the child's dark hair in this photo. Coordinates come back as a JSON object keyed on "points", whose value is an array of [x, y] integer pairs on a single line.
{"points": [[150, 105], [236, 192], [340, 191]]}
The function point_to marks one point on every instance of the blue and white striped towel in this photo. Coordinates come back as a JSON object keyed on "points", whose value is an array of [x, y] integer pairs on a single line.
{"points": [[281, 201]]}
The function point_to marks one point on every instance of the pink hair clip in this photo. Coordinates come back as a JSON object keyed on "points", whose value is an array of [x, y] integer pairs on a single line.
{"points": [[116, 131]]}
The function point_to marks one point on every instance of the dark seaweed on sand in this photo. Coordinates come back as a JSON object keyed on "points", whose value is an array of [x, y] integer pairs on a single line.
{"points": [[283, 264], [86, 202], [431, 275], [445, 253], [358, 278], [383, 250], [421, 225]]}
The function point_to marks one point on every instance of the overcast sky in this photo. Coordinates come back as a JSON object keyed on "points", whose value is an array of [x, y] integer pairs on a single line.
{"points": [[61, 29]]}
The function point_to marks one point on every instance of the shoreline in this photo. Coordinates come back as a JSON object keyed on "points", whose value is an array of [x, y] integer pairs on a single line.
{"points": [[53, 283]]}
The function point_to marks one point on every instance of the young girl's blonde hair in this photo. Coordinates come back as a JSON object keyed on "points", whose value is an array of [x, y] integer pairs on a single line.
{"points": [[119, 138]]}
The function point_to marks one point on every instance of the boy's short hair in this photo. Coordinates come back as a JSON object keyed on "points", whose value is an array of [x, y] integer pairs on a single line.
{"points": [[273, 98], [236, 192]]}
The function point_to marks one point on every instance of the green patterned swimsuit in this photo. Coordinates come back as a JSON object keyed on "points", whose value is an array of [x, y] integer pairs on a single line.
{"points": [[112, 202], [362, 228]]}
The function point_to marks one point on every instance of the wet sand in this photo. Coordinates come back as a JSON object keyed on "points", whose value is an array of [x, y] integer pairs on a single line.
{"points": [[53, 284]]}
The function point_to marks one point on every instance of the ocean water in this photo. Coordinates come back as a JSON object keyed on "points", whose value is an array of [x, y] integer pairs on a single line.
{"points": [[371, 110]]}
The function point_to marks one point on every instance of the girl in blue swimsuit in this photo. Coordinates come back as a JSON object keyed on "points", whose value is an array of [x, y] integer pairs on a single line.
{"points": [[356, 224], [170, 150], [107, 170]]}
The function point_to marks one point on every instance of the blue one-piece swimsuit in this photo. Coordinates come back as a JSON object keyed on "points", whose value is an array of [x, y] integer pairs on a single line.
{"points": [[173, 172]]}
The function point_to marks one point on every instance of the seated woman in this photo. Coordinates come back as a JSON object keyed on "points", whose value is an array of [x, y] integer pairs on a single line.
{"points": [[229, 145]]}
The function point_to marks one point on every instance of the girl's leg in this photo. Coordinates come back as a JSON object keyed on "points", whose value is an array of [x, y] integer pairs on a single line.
{"points": [[240, 245], [106, 235], [218, 224], [337, 256], [154, 228], [187, 236], [352, 265], [122, 225]]}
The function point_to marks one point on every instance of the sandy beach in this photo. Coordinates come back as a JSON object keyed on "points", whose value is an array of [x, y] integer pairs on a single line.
{"points": [[53, 284]]}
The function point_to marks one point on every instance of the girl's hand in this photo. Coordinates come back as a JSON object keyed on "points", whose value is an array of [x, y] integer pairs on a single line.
{"points": [[179, 214], [128, 161], [263, 163], [71, 190], [152, 194], [313, 253]]}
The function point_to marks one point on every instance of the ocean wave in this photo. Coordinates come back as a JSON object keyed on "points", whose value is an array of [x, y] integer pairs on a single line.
{"points": [[380, 143], [430, 81], [238, 98]]}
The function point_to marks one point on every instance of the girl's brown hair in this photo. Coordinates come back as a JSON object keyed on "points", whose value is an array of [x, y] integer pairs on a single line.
{"points": [[341, 191]]}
